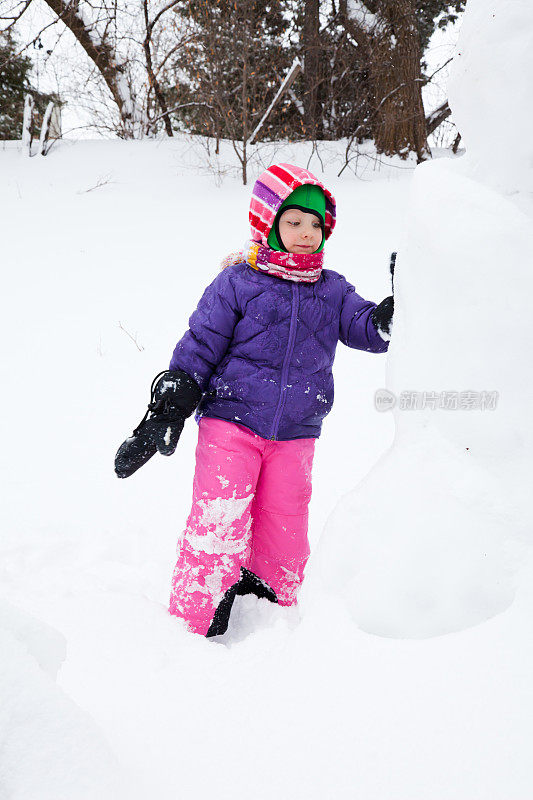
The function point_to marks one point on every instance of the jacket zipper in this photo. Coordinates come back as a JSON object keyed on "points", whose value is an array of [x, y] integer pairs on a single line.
{"points": [[286, 361]]}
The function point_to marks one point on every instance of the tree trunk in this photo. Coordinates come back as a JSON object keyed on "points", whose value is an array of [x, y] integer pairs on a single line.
{"points": [[399, 125], [154, 83], [27, 124], [45, 128], [437, 117], [311, 53], [245, 98]]}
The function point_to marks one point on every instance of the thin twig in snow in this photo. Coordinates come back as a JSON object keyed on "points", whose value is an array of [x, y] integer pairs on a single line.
{"points": [[104, 181], [139, 347], [438, 70]]}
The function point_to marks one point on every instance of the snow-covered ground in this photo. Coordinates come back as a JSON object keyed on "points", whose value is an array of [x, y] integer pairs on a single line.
{"points": [[107, 246], [99, 235]]}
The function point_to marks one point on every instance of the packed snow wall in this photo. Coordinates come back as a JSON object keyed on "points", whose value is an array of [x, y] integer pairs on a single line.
{"points": [[433, 538], [51, 749]]}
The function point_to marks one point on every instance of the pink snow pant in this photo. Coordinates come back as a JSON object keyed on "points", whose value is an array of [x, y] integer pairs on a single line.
{"points": [[250, 509]]}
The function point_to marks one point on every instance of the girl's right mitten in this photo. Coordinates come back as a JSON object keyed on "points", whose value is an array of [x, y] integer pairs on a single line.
{"points": [[174, 396]]}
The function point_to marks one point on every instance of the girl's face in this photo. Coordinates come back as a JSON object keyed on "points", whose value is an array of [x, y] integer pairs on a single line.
{"points": [[300, 232]]}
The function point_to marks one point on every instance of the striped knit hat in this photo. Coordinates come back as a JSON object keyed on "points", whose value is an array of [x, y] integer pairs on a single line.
{"points": [[272, 188]]}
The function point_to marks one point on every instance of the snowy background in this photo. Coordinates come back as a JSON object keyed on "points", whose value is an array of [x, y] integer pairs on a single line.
{"points": [[405, 672]]}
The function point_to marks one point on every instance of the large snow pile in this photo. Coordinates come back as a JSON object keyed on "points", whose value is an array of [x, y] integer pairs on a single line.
{"points": [[490, 93], [434, 536], [51, 750]]}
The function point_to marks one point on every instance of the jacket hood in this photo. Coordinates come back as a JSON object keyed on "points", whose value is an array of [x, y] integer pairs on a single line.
{"points": [[272, 188]]}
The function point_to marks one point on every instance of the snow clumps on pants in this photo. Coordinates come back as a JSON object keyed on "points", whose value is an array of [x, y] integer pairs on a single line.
{"points": [[250, 509]]}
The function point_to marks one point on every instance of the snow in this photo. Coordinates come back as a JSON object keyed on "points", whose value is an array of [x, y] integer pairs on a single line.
{"points": [[51, 749], [384, 335], [446, 548], [220, 515], [101, 688], [359, 13], [490, 93]]}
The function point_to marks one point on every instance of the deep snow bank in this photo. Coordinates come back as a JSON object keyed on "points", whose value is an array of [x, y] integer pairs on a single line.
{"points": [[430, 542], [50, 749], [97, 234], [490, 93]]}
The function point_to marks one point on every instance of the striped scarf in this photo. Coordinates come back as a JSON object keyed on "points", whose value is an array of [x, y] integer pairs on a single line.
{"points": [[296, 267]]}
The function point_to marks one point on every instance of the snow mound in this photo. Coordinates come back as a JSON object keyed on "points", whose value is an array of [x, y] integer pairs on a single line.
{"points": [[50, 749], [47, 646], [490, 92], [431, 541], [431, 551]]}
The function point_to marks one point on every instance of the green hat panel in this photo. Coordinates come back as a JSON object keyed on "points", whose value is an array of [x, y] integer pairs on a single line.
{"points": [[308, 197]]}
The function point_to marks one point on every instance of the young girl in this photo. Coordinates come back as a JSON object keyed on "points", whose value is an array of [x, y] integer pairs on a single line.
{"points": [[256, 364]]}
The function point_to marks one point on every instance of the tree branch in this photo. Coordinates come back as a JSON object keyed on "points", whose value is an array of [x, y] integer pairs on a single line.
{"points": [[437, 117], [103, 56]]}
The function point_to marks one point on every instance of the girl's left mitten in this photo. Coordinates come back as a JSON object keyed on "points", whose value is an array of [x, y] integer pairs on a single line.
{"points": [[174, 396], [382, 317]]}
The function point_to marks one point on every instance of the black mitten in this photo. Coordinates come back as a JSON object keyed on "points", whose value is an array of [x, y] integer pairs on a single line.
{"points": [[174, 396], [382, 315]]}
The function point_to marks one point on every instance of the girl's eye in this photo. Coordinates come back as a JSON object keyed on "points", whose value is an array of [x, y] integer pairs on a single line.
{"points": [[316, 224], [294, 223]]}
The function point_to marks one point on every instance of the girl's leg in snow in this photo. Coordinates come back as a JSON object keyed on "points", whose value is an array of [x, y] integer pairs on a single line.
{"points": [[280, 547], [216, 541]]}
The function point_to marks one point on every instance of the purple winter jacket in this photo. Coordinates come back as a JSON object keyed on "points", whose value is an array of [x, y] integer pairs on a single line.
{"points": [[261, 348]]}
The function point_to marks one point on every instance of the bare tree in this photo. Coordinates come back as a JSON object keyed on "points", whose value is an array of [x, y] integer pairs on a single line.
{"points": [[212, 67], [128, 45], [95, 39], [176, 40], [310, 46], [11, 15], [244, 92], [401, 123], [387, 38], [147, 46]]}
